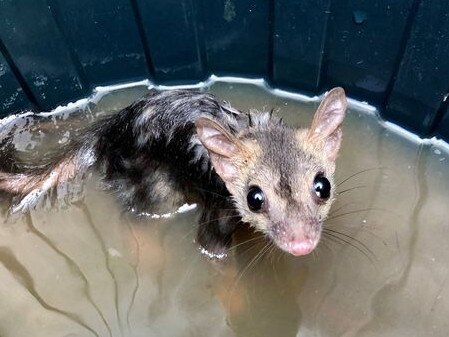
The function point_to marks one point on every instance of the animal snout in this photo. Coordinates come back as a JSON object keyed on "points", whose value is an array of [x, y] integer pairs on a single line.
{"points": [[301, 246], [298, 239]]}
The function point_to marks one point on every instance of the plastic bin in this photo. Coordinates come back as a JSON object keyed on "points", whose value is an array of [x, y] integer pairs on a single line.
{"points": [[393, 54]]}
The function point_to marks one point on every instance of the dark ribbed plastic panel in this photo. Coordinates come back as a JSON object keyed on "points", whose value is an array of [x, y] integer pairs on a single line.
{"points": [[393, 54], [169, 29]]}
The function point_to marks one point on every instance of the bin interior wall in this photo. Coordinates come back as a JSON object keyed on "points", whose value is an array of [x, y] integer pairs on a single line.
{"points": [[392, 54]]}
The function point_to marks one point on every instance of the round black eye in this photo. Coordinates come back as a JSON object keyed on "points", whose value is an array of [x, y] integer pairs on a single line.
{"points": [[322, 186], [255, 198]]}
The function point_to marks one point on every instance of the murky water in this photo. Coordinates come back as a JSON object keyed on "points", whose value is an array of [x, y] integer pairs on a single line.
{"points": [[89, 270]]}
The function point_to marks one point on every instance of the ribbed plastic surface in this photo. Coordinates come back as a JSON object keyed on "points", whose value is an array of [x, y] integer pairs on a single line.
{"points": [[393, 54]]}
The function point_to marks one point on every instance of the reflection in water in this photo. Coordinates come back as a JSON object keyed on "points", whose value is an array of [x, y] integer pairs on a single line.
{"points": [[259, 291], [87, 269]]}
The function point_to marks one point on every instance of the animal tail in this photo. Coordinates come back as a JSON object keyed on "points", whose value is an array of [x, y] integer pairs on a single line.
{"points": [[31, 182]]}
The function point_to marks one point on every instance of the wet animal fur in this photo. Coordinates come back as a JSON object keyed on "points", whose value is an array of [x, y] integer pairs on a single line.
{"points": [[186, 146]]}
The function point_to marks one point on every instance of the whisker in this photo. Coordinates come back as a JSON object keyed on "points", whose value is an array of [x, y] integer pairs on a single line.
{"points": [[314, 255], [325, 245], [245, 242], [333, 211], [272, 252], [195, 227], [213, 193], [221, 209], [216, 219], [361, 172], [268, 256], [247, 267], [327, 238], [250, 248], [319, 249], [360, 211], [188, 233], [350, 189], [264, 250], [362, 228], [350, 238], [337, 239]]}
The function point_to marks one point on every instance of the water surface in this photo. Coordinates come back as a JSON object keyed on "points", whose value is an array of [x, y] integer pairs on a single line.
{"points": [[90, 270]]}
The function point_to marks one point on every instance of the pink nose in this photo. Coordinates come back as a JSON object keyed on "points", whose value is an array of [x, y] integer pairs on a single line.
{"points": [[299, 248]]}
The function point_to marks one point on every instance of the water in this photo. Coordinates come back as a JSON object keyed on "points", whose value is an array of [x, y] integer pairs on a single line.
{"points": [[89, 270]]}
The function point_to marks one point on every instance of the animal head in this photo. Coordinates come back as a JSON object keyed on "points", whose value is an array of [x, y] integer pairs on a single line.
{"points": [[281, 179]]}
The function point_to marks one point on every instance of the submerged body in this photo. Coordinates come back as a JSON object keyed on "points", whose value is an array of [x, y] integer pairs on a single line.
{"points": [[185, 146]]}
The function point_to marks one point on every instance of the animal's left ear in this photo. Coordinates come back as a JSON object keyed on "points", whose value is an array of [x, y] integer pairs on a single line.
{"points": [[326, 124], [223, 147]]}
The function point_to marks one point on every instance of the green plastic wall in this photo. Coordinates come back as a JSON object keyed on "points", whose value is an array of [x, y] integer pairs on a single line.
{"points": [[393, 54]]}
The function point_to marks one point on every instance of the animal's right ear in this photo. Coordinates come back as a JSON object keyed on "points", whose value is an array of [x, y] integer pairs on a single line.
{"points": [[326, 124], [223, 147]]}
